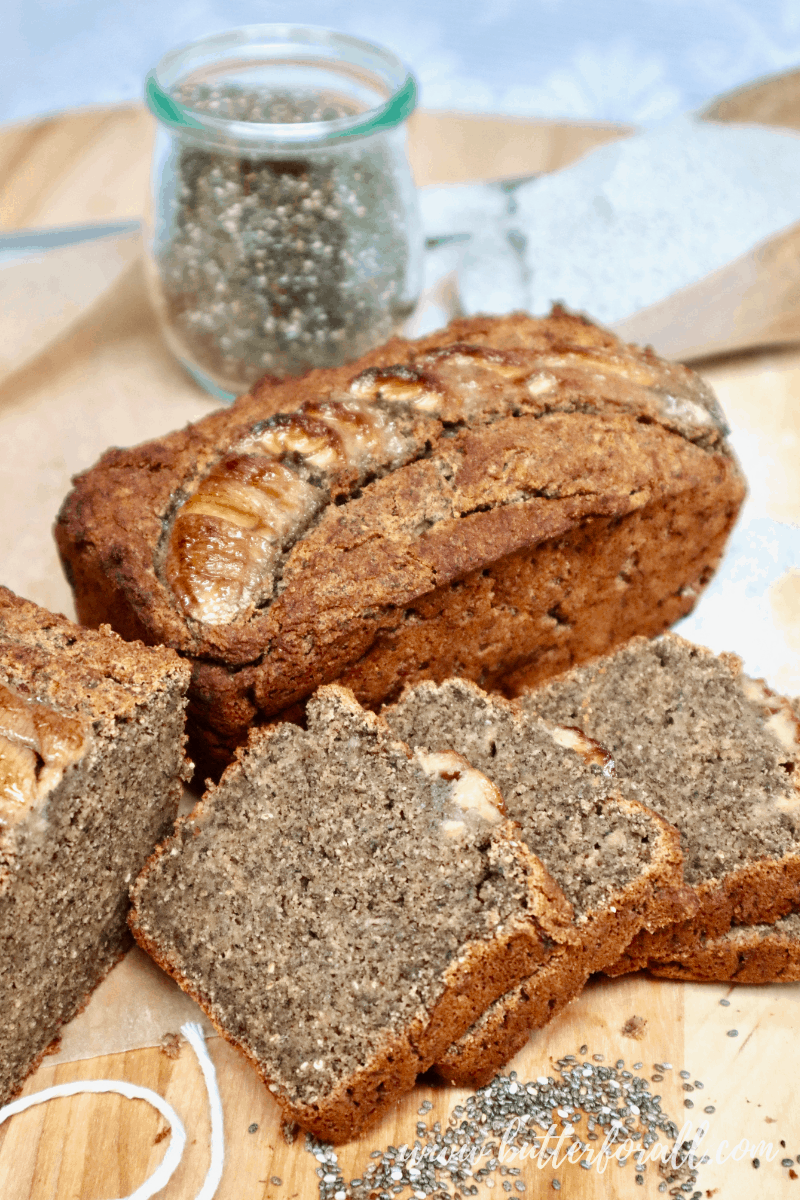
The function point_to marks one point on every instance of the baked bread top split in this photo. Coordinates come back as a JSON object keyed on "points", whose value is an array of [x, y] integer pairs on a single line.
{"points": [[212, 532]]}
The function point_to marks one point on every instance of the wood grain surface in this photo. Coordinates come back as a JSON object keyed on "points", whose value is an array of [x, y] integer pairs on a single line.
{"points": [[93, 165], [752, 301], [95, 1147], [774, 100]]}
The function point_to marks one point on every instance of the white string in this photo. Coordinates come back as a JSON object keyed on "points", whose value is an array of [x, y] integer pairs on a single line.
{"points": [[194, 1036], [164, 1171], [166, 1168]]}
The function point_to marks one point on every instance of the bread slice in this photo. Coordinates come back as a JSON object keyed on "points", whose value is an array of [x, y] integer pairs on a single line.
{"points": [[745, 954], [498, 501], [91, 762], [343, 910], [618, 863], [719, 756]]}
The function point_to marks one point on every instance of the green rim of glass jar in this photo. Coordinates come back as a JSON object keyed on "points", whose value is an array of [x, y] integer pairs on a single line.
{"points": [[397, 108]]}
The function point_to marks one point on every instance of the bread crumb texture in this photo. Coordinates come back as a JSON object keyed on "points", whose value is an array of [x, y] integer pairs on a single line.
{"points": [[91, 764], [323, 910]]}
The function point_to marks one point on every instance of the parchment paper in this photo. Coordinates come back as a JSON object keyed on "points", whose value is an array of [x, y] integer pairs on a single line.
{"points": [[90, 371]]}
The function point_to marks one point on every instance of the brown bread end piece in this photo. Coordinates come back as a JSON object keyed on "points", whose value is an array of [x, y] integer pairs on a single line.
{"points": [[91, 763]]}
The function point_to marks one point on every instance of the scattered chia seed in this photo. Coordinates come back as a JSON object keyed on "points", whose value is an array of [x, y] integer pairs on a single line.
{"points": [[787, 1162], [756, 1163], [616, 1104], [688, 1104], [276, 1181], [725, 1003], [709, 1108], [733, 1033], [252, 1128], [278, 263]]}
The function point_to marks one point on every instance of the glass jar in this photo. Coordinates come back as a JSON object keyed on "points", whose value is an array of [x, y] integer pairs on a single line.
{"points": [[283, 232]]}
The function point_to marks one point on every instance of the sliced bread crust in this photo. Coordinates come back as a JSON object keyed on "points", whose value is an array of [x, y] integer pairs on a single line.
{"points": [[529, 760], [719, 754], [357, 908], [758, 894], [745, 954], [654, 899]]}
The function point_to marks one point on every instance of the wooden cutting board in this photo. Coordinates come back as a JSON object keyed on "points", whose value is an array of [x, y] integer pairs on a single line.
{"points": [[93, 165]]}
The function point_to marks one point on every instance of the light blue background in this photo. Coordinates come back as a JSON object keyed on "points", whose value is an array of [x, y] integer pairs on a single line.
{"points": [[632, 60]]}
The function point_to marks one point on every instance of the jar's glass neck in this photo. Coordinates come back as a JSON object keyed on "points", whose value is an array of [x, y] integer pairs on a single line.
{"points": [[265, 49]]}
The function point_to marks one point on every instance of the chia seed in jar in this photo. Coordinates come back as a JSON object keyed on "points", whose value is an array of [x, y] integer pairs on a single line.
{"points": [[276, 258]]}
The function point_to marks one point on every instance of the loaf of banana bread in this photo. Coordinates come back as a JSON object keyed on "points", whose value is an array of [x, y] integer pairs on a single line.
{"points": [[498, 501], [91, 763]]}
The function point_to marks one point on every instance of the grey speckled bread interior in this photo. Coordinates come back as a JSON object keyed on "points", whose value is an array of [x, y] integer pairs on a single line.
{"points": [[745, 954], [719, 757], [618, 863], [499, 500], [342, 910], [91, 762]]}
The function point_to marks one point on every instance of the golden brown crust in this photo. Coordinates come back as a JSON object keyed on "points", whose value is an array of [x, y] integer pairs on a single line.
{"points": [[94, 672], [93, 678], [475, 1059], [760, 892], [746, 954], [531, 487], [651, 900]]}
